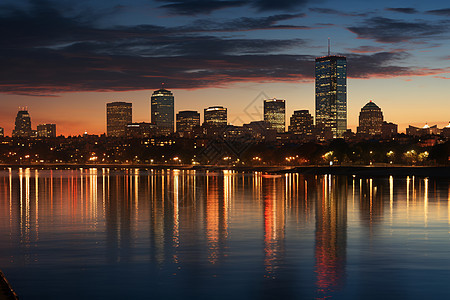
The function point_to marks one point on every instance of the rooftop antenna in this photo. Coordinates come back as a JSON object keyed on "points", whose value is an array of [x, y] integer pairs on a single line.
{"points": [[162, 85], [329, 47]]}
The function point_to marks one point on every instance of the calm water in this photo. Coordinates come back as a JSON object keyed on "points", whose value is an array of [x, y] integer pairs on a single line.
{"points": [[143, 234]]}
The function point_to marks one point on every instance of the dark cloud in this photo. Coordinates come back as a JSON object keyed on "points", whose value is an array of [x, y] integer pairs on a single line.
{"points": [[195, 7], [387, 30], [199, 6], [403, 10], [331, 11], [48, 53], [243, 24], [440, 12], [268, 5], [366, 49], [382, 64]]}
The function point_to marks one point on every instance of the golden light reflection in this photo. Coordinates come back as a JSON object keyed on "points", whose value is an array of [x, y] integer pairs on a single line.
{"points": [[391, 196], [331, 231], [425, 202], [274, 224]]}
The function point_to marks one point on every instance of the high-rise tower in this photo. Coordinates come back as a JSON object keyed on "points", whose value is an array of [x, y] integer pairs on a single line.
{"points": [[275, 114], [187, 120], [118, 115], [23, 124], [331, 93], [301, 122], [370, 119], [162, 111], [215, 116]]}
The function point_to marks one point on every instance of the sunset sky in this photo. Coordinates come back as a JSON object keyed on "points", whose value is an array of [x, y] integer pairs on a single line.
{"points": [[65, 60]]}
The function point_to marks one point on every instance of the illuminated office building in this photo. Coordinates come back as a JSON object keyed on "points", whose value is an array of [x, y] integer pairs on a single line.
{"points": [[301, 122], [215, 116], [2, 133], [275, 114], [118, 115], [23, 124], [187, 120], [331, 93], [162, 111], [46, 130], [370, 120]]}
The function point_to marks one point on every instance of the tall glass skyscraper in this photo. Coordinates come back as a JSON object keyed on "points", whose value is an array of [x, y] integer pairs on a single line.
{"points": [[275, 114], [162, 111], [331, 93], [118, 115], [22, 126]]}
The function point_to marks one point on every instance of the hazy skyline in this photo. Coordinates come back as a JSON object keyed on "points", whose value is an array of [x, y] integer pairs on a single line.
{"points": [[66, 60]]}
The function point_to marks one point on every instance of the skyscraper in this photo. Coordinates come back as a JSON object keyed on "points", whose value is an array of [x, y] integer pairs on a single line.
{"points": [[162, 111], [118, 115], [186, 121], [275, 114], [370, 119], [301, 122], [215, 116], [2, 134], [331, 93], [23, 124], [46, 130]]}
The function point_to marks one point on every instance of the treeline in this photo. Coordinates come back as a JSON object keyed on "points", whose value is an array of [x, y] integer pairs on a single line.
{"points": [[218, 151]]}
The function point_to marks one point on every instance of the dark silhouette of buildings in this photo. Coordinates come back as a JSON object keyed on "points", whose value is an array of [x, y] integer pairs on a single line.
{"points": [[140, 130], [446, 131], [46, 130], [370, 120], [162, 111], [388, 130], [118, 115], [23, 124], [331, 93], [421, 131], [275, 114]]}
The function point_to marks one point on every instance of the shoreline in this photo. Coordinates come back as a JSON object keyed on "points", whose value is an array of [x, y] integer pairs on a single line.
{"points": [[6, 290], [374, 170]]}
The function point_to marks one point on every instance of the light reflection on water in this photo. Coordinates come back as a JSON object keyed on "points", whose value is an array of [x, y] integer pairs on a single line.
{"points": [[181, 234]]}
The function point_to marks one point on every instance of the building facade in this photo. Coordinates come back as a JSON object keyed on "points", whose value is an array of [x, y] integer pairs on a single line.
{"points": [[118, 115], [389, 130], [301, 122], [140, 130], [46, 130], [370, 120], [446, 131], [187, 120], [275, 114], [163, 111], [421, 131], [215, 116], [331, 93], [22, 126], [2, 133]]}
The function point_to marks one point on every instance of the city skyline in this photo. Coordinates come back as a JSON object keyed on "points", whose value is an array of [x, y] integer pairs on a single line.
{"points": [[123, 119], [223, 54]]}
